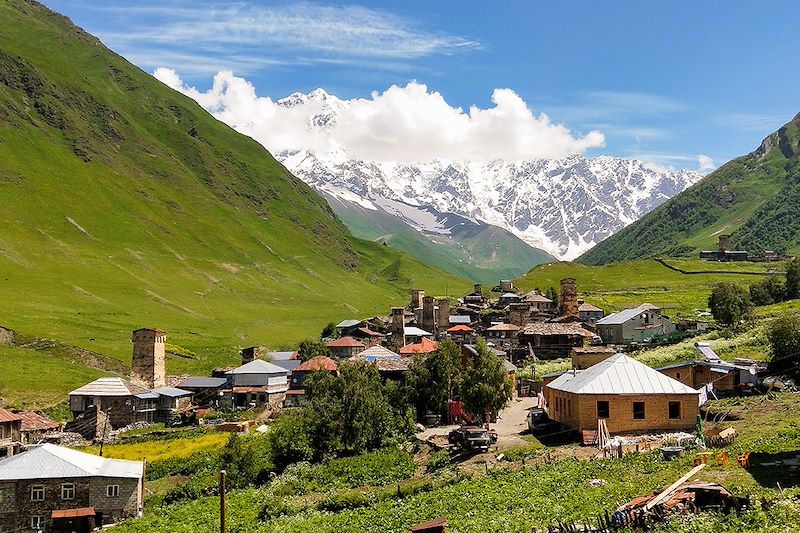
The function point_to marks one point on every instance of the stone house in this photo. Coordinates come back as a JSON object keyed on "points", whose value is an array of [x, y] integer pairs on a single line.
{"points": [[390, 365], [171, 403], [461, 334], [258, 383], [345, 347], [629, 395], [634, 325], [368, 337], [588, 313], [553, 339], [52, 488], [35, 426], [123, 401], [541, 303], [10, 437], [502, 334]]}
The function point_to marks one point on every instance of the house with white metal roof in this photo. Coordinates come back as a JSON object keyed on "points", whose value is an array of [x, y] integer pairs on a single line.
{"points": [[52, 488], [125, 402], [634, 325], [258, 382], [629, 395]]}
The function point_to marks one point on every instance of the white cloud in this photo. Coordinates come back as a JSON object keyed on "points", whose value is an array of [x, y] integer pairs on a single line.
{"points": [[407, 123], [706, 164]]}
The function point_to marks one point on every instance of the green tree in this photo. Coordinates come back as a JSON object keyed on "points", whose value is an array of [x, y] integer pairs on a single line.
{"points": [[434, 377], [309, 349], [552, 294], [771, 290], [329, 331], [290, 440], [729, 303], [239, 461], [485, 388], [793, 279], [784, 340]]}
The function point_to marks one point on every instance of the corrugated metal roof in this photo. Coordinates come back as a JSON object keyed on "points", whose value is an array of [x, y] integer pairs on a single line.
{"points": [[619, 374], [200, 382], [424, 346], [259, 366], [318, 363], [48, 461], [282, 356], [109, 387], [460, 319], [348, 323], [345, 342], [171, 392], [615, 319], [33, 421], [288, 364], [413, 331], [8, 416]]}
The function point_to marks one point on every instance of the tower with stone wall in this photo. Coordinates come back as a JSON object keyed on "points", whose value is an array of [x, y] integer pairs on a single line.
{"points": [[148, 366], [569, 297], [417, 295], [442, 315], [429, 314], [724, 243], [397, 327]]}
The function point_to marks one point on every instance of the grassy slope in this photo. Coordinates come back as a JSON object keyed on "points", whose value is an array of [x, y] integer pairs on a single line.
{"points": [[483, 254], [621, 285], [753, 197], [127, 205]]}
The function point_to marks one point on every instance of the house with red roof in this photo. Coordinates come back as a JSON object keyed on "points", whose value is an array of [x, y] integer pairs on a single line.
{"points": [[345, 347]]}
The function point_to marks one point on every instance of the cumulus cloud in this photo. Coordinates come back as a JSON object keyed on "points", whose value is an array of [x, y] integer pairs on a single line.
{"points": [[705, 163], [409, 123]]}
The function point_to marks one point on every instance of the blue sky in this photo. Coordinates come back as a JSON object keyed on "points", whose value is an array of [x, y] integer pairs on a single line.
{"points": [[661, 80]]}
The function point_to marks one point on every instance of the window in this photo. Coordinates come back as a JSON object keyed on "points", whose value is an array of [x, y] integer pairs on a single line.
{"points": [[37, 522], [638, 410], [68, 491], [602, 409], [37, 493], [674, 410], [112, 491], [678, 376]]}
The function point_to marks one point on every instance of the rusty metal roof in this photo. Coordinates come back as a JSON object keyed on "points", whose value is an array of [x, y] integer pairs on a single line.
{"points": [[33, 421], [8, 416]]}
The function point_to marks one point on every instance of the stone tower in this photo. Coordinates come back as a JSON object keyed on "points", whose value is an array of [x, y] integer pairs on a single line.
{"points": [[442, 315], [397, 328], [148, 367], [569, 297], [724, 243], [477, 289], [417, 295], [428, 314]]}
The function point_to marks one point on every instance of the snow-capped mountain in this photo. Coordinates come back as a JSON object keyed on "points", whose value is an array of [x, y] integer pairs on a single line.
{"points": [[562, 206]]}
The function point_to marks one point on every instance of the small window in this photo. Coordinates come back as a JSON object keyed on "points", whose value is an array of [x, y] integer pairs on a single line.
{"points": [[678, 376], [37, 522], [602, 409], [674, 410], [37, 493], [68, 491], [112, 491], [638, 410]]}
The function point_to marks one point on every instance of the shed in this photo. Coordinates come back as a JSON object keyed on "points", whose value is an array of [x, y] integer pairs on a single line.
{"points": [[552, 339]]}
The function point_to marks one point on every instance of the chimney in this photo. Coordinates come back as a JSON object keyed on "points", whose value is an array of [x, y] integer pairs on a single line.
{"points": [[428, 315], [724, 243], [148, 362], [569, 297], [416, 298], [397, 328]]}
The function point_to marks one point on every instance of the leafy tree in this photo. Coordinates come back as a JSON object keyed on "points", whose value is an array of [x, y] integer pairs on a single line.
{"points": [[771, 290], [729, 303], [485, 388], [309, 349], [784, 340], [793, 279], [289, 439], [238, 461], [434, 377], [328, 331], [552, 294]]}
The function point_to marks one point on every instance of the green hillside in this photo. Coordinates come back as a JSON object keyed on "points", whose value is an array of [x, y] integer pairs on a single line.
{"points": [[480, 252], [124, 204], [753, 197], [681, 287]]}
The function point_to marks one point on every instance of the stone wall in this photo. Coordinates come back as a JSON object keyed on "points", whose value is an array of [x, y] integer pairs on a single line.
{"points": [[7, 336], [148, 367]]}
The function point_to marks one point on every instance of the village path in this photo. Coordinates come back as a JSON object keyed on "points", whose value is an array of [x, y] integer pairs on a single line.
{"points": [[511, 423]]}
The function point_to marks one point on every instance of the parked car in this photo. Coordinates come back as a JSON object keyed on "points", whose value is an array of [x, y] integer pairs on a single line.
{"points": [[471, 438], [537, 417]]}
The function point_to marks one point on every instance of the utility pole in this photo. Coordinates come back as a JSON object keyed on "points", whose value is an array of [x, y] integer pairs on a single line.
{"points": [[222, 501]]}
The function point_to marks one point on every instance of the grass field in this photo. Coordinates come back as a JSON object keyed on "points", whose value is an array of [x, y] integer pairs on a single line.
{"points": [[510, 498], [621, 285], [160, 449]]}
